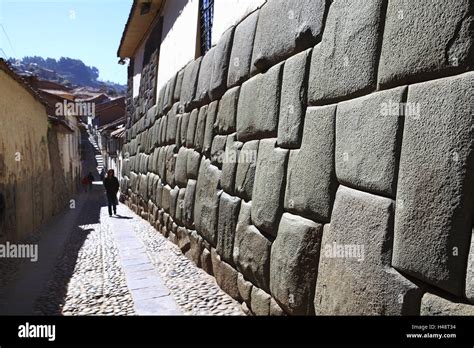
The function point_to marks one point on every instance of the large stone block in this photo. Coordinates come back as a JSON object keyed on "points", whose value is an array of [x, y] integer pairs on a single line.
{"points": [[242, 48], [435, 193], [169, 91], [226, 115], [184, 129], [172, 125], [161, 164], [311, 183], [251, 250], [229, 163], [286, 27], [194, 160], [368, 140], [269, 189], [166, 198], [188, 87], [258, 106], [180, 207], [173, 201], [293, 100], [181, 178], [226, 276], [204, 80], [209, 128], [260, 302], [220, 67], [188, 208], [434, 305], [177, 88], [354, 275], [171, 154], [192, 123], [217, 150], [426, 39], [229, 208], [344, 65], [245, 288], [246, 165], [207, 201], [200, 128], [294, 264]]}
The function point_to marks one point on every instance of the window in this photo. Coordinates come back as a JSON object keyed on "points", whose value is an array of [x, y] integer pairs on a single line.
{"points": [[206, 14]]}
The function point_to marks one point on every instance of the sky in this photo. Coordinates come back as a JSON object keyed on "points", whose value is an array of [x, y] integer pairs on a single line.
{"points": [[89, 30]]}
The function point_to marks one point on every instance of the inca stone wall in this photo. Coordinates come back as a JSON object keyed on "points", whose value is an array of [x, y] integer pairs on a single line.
{"points": [[320, 158]]}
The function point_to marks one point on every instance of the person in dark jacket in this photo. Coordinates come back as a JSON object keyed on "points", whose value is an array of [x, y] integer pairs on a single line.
{"points": [[111, 185], [91, 179]]}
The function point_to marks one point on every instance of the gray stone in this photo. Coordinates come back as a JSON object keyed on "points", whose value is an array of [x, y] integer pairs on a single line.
{"points": [[258, 106], [267, 203], [181, 167], [191, 128], [435, 193], [260, 303], [163, 132], [200, 128], [205, 76], [226, 115], [354, 275], [311, 183], [169, 94], [294, 264], [226, 276], [425, 40], [206, 261], [161, 165], [180, 207], [172, 125], [166, 198], [207, 201], [194, 160], [293, 100], [229, 208], [275, 309], [286, 27], [229, 164], [178, 131], [470, 272], [142, 191], [170, 164], [177, 88], [188, 217], [188, 86], [245, 174], [159, 194], [209, 128], [173, 201], [184, 129], [251, 250], [195, 248], [434, 305], [217, 150], [245, 288], [368, 140], [344, 65], [182, 236], [220, 68], [161, 100], [242, 48]]}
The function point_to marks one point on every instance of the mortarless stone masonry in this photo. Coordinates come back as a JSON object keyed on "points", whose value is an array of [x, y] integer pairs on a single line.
{"points": [[321, 153]]}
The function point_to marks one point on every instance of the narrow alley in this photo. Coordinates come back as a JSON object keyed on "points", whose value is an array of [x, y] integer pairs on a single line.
{"points": [[93, 264]]}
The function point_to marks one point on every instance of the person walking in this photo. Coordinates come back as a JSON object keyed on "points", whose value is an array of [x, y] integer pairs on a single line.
{"points": [[91, 179], [111, 185]]}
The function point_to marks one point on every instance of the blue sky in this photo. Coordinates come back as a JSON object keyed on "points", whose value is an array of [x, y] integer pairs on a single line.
{"points": [[89, 30]]}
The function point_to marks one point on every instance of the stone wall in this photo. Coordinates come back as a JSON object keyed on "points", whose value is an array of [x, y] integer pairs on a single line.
{"points": [[320, 158]]}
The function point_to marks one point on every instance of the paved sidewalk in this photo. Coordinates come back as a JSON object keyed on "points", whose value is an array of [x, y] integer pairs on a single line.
{"points": [[149, 292]]}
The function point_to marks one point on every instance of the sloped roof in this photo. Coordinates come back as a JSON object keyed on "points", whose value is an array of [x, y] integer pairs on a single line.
{"points": [[138, 24]]}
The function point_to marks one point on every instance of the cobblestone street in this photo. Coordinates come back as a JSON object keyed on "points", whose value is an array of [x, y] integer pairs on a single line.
{"points": [[93, 264]]}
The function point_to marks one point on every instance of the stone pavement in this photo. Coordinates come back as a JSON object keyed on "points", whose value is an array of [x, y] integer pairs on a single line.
{"points": [[93, 264]]}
